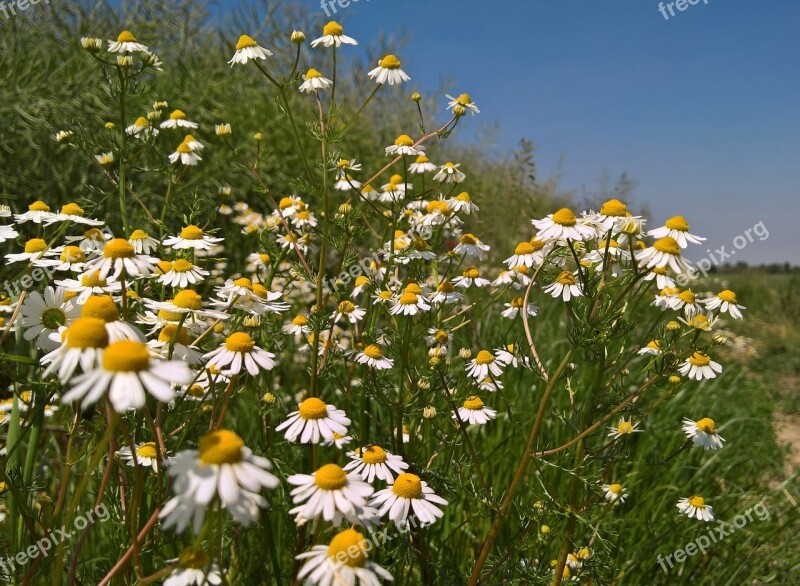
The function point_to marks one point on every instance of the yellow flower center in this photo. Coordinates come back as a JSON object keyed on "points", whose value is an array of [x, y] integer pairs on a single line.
{"points": [[472, 273], [147, 450], [659, 271], [699, 359], [409, 298], [118, 248], [313, 408], [667, 245], [408, 486], [566, 278], [126, 37], [607, 244], [404, 141], [221, 447], [624, 427], [464, 196], [615, 488], [469, 239], [330, 477], [191, 232], [244, 282], [374, 455], [187, 299], [194, 558], [524, 248], [349, 548], [707, 425], [464, 99], [286, 202], [698, 502], [170, 332], [484, 357], [441, 337], [677, 223], [300, 320], [163, 267], [687, 297], [177, 115], [39, 206], [565, 217], [333, 29], [517, 302], [244, 42], [87, 332], [72, 254], [346, 307], [445, 287], [182, 266], [142, 122], [240, 342], [313, 74], [654, 344], [614, 207], [185, 148], [728, 296], [72, 209], [126, 356], [373, 351], [474, 403], [101, 307], [390, 62], [35, 245], [93, 234]]}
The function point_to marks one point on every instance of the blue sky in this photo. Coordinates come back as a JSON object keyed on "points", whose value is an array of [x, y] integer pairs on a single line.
{"points": [[701, 109]]}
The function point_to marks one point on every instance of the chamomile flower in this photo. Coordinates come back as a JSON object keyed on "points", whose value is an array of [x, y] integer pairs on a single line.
{"points": [[372, 355], [661, 277], [624, 427], [237, 350], [35, 249], [686, 301], [653, 348], [527, 254], [313, 421], [474, 412], [298, 326], [514, 308], [195, 569], [462, 203], [409, 303], [191, 237], [177, 119], [470, 247], [665, 252], [611, 214], [703, 433], [349, 310], [460, 105], [676, 228], [408, 493], [343, 561], [126, 43], [314, 81], [146, 455], [176, 341], [338, 440], [72, 212], [6, 232], [70, 258], [726, 302], [565, 286], [333, 36], [37, 213], [331, 494], [120, 256], [449, 173], [470, 278], [127, 372], [615, 493], [141, 128], [372, 462], [102, 307], [93, 240], [563, 225], [388, 71], [223, 467], [404, 145], [421, 165], [185, 154], [182, 273], [699, 366], [695, 507], [246, 49], [346, 183], [484, 364], [43, 315]]}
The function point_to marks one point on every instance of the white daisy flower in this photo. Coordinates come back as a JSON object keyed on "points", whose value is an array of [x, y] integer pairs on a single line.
{"points": [[82, 345], [404, 145], [246, 49], [484, 364], [449, 173], [185, 155], [191, 237], [421, 165], [470, 247], [338, 440], [35, 249], [222, 129], [445, 293], [314, 420], [462, 203], [527, 254], [237, 350], [699, 366], [349, 310], [408, 493], [726, 302], [314, 81], [7, 233], [141, 128], [562, 225], [128, 370], [37, 213], [176, 342], [178, 120], [103, 307], [469, 278], [342, 561], [565, 286], [333, 36], [615, 493], [347, 183], [330, 494], [511, 356], [409, 303], [653, 348], [42, 316], [118, 256], [514, 308], [388, 71], [703, 433], [126, 43], [676, 228], [182, 274], [344, 166], [93, 240], [661, 277], [195, 569], [298, 327], [146, 455], [222, 467], [373, 462], [460, 105], [695, 507], [72, 212], [624, 427], [372, 355], [474, 412], [612, 214], [70, 258], [664, 252]]}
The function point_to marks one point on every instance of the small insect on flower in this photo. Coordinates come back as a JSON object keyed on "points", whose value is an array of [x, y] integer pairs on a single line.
{"points": [[373, 462], [246, 49], [699, 366], [333, 36], [331, 494], [223, 467], [676, 228], [314, 81], [313, 421], [372, 355], [624, 427], [146, 455], [409, 493], [615, 493], [474, 412], [126, 43], [388, 71], [726, 302], [703, 433], [342, 561], [695, 507], [404, 145]]}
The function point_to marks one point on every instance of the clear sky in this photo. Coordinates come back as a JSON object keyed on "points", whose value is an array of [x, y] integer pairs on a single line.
{"points": [[702, 109]]}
